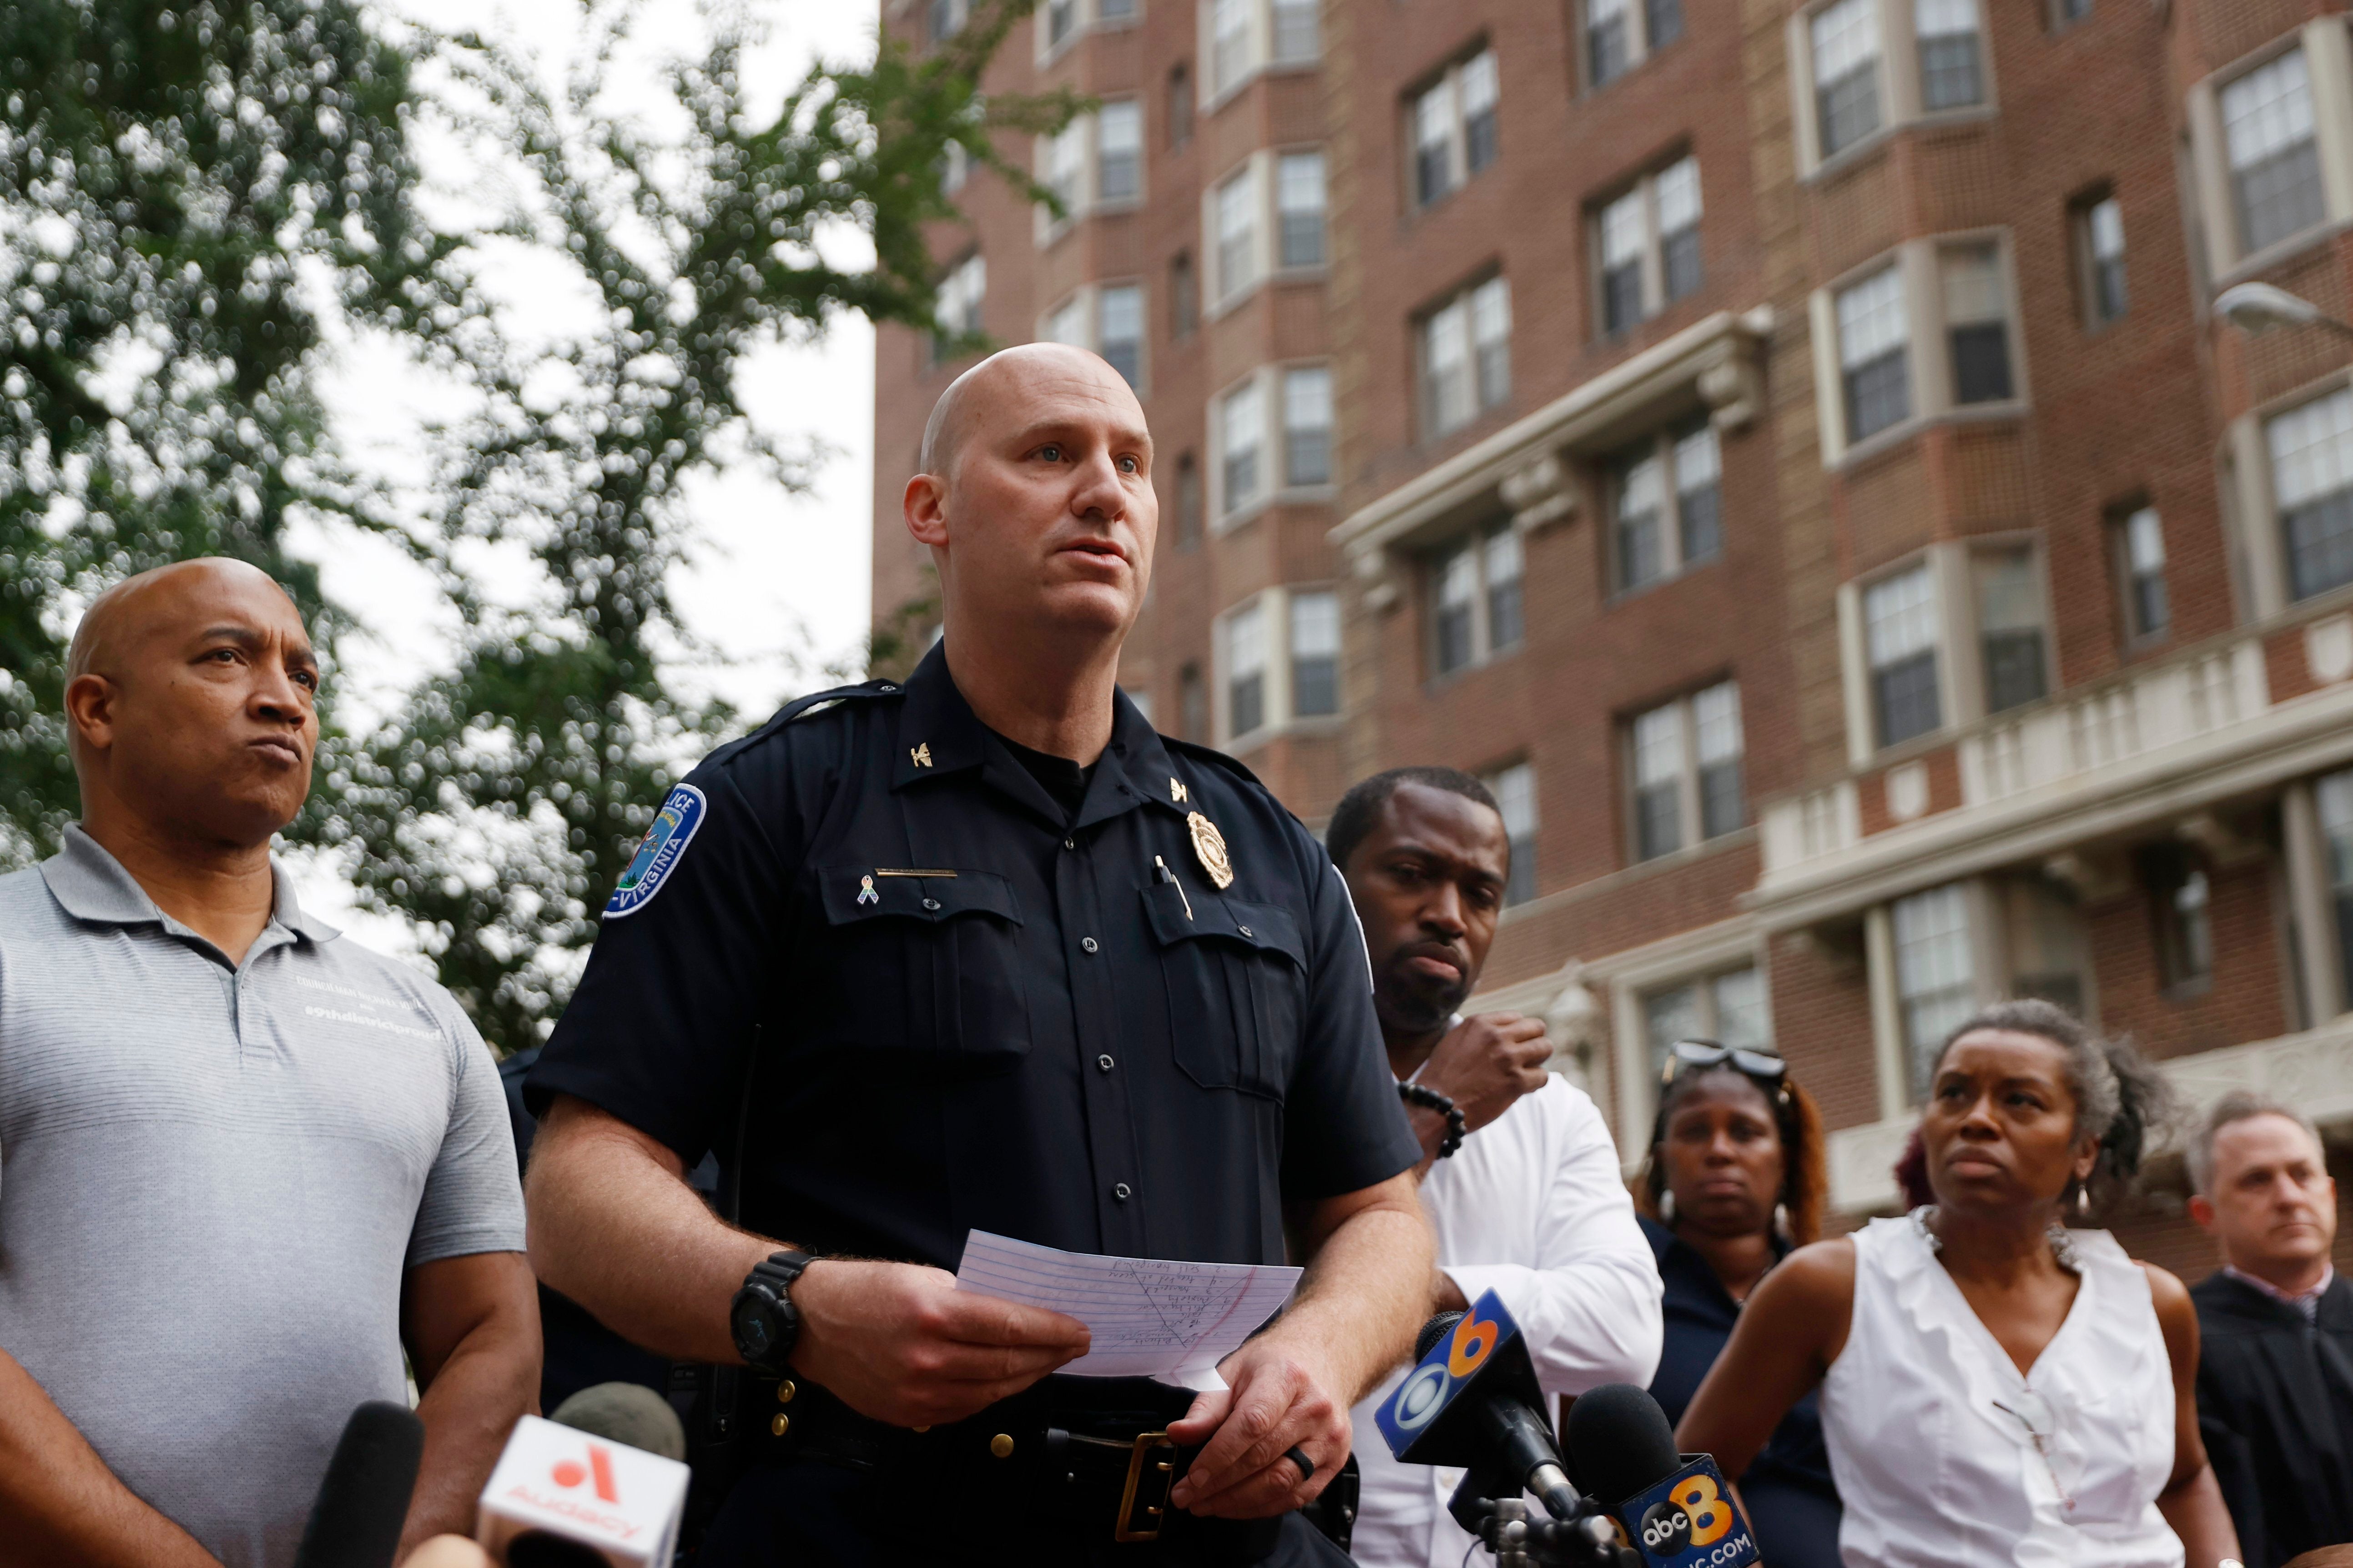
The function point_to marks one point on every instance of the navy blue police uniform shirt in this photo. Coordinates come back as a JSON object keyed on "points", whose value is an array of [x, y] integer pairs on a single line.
{"points": [[944, 1001]]}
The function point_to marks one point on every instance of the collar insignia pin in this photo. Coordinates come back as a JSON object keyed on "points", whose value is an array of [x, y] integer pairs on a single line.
{"points": [[921, 755], [866, 894], [1210, 848], [1176, 790]]}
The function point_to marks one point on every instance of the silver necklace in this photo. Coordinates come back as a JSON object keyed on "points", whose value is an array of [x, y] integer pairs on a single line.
{"points": [[2062, 1245]]}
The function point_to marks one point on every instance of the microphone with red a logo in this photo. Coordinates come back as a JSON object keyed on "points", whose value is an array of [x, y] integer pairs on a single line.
{"points": [[566, 1497]]}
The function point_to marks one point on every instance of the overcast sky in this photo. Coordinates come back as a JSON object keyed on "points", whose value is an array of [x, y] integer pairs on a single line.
{"points": [[780, 584]]}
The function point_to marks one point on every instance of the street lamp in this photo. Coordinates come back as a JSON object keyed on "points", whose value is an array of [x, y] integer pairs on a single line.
{"points": [[2260, 307]]}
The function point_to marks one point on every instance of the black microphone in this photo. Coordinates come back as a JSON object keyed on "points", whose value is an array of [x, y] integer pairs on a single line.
{"points": [[1674, 1507], [363, 1500], [1472, 1400]]}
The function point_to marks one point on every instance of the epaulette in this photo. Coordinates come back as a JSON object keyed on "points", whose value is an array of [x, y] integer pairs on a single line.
{"points": [[802, 707], [1211, 755]]}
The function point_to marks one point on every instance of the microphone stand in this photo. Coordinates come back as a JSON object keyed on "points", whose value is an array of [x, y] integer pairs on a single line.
{"points": [[1487, 1504]]}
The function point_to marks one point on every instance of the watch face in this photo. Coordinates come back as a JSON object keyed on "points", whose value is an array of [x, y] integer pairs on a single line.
{"points": [[752, 1333]]}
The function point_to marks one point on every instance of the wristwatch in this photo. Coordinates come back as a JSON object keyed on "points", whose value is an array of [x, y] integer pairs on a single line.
{"points": [[765, 1323]]}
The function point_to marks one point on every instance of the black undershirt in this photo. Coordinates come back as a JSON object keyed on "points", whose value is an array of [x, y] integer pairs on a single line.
{"points": [[1061, 777]]}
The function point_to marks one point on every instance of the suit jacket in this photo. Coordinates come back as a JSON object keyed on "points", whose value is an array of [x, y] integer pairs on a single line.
{"points": [[2275, 1407]]}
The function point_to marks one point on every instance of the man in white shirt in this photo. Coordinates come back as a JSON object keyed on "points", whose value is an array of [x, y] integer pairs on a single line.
{"points": [[1533, 1205]]}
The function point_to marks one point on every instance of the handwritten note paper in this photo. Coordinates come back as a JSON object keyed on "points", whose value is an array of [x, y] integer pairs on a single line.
{"points": [[1151, 1317]]}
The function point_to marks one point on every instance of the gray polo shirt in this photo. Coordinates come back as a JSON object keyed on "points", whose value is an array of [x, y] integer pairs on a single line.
{"points": [[212, 1178]]}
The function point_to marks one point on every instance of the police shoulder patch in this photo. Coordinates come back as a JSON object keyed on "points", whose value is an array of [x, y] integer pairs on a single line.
{"points": [[659, 852]]}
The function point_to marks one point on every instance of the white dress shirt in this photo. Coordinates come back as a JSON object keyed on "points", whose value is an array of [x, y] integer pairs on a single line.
{"points": [[1533, 1207]]}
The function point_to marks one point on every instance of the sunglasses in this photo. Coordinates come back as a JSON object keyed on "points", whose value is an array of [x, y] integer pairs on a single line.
{"points": [[1692, 1056]]}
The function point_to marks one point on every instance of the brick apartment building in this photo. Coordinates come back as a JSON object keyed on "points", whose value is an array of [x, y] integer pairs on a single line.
{"points": [[1789, 449]]}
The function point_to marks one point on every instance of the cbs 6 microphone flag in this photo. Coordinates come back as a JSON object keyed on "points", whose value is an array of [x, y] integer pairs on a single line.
{"points": [[621, 1503]]}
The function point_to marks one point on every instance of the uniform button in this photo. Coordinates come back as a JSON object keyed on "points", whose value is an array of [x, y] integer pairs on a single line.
{"points": [[1244, 929], [784, 1392], [1001, 1445], [1103, 1062], [1088, 942], [1122, 1192], [781, 1424], [934, 903], [1069, 844]]}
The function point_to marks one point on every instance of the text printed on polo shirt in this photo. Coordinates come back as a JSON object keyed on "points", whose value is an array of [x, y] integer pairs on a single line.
{"points": [[339, 1015]]}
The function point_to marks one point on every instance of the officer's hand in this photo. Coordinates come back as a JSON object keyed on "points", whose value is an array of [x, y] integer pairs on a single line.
{"points": [[1484, 1064], [1276, 1401], [900, 1343]]}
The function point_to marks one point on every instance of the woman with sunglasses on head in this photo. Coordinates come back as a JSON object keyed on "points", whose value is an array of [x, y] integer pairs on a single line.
{"points": [[1995, 1388], [1735, 1180]]}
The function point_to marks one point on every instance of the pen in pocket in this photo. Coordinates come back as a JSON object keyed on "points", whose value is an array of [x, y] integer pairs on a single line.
{"points": [[1170, 877]]}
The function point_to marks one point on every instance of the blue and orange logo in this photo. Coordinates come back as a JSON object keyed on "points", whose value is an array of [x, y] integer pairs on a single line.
{"points": [[658, 852], [1453, 1361]]}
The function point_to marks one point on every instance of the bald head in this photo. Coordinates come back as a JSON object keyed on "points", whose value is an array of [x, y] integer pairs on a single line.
{"points": [[140, 602], [190, 701], [1004, 375]]}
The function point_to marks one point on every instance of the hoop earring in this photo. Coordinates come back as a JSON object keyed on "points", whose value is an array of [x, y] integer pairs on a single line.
{"points": [[1781, 1221]]}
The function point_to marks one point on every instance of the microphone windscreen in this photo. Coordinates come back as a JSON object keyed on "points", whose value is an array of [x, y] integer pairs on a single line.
{"points": [[537, 1549], [363, 1500], [1437, 1328], [1620, 1442], [627, 1413]]}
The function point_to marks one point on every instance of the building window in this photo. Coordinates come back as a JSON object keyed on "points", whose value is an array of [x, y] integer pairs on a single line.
{"points": [[1236, 203], [1180, 105], [2141, 571], [2312, 483], [1115, 10], [1466, 356], [1184, 296], [2333, 796], [1188, 508], [1242, 423], [1245, 631], [2100, 252], [1620, 35], [1845, 43], [1728, 1008], [1315, 654], [943, 19], [1229, 43], [1946, 31], [2010, 626], [1647, 241], [2067, 13], [956, 168], [1294, 25], [1899, 615], [1665, 505], [1685, 758], [1061, 169], [1120, 330], [1066, 322], [1061, 20], [1193, 705], [1977, 323], [2274, 158], [1307, 427], [1299, 209], [1874, 359], [2182, 897], [1454, 127], [1477, 608], [1935, 973], [957, 307], [1119, 150], [1514, 789]]}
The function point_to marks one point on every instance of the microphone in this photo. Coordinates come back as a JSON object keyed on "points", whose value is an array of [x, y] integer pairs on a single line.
{"points": [[582, 1492], [364, 1499], [1472, 1399], [1674, 1507]]}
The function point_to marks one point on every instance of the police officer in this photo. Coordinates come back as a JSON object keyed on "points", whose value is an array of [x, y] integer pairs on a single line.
{"points": [[983, 952]]}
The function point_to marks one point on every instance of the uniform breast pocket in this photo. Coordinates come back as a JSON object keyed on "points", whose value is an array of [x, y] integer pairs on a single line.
{"points": [[1235, 975], [932, 963]]}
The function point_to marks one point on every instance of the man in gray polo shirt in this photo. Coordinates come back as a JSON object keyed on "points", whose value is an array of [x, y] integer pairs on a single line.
{"points": [[244, 1161]]}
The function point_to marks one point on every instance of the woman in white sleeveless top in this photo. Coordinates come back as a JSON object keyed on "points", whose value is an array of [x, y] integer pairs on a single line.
{"points": [[1995, 1389]]}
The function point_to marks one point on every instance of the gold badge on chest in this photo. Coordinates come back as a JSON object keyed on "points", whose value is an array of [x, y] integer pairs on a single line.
{"points": [[1209, 849]]}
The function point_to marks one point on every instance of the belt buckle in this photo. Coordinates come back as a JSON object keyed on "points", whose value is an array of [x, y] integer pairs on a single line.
{"points": [[1162, 1473]]}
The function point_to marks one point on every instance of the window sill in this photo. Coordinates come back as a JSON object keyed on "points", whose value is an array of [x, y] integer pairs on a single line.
{"points": [[1438, 683], [1862, 152], [1880, 442], [2277, 254], [1666, 579], [1316, 726], [1296, 495], [1225, 96], [1628, 875]]}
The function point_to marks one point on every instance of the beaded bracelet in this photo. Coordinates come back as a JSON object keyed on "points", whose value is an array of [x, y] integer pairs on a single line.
{"points": [[1430, 1099]]}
